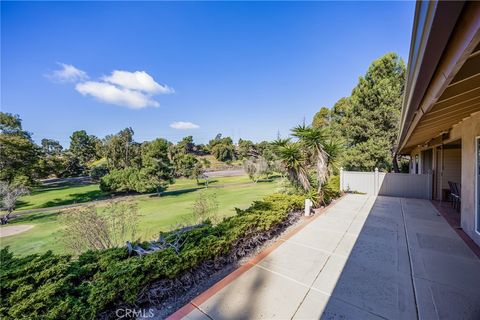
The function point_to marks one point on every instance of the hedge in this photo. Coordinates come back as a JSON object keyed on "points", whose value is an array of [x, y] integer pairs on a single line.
{"points": [[53, 286]]}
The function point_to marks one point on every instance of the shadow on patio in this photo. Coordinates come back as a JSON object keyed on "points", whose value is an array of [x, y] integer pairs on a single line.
{"points": [[356, 261]]}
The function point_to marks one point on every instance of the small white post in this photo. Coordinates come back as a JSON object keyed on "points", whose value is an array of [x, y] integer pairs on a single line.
{"points": [[376, 182], [341, 179], [308, 207]]}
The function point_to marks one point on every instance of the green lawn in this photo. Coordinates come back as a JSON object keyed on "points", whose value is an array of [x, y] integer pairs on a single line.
{"points": [[67, 193], [60, 194], [183, 183], [157, 213]]}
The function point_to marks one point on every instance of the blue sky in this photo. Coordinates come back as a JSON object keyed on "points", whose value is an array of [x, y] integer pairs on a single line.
{"points": [[246, 69]]}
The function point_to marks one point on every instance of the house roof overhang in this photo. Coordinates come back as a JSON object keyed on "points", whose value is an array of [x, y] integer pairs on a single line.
{"points": [[443, 78]]}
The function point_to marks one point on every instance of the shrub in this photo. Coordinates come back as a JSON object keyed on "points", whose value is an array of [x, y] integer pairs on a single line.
{"points": [[97, 172], [131, 179], [205, 207], [91, 228], [331, 189], [9, 196], [256, 167], [51, 286]]}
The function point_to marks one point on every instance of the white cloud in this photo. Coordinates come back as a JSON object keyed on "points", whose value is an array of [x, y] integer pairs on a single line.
{"points": [[134, 90], [109, 93], [184, 125], [67, 73], [138, 80]]}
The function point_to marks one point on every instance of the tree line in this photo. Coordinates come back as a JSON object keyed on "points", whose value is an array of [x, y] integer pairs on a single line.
{"points": [[358, 133], [118, 161]]}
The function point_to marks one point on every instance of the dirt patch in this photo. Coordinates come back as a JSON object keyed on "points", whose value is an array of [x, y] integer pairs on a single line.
{"points": [[16, 229]]}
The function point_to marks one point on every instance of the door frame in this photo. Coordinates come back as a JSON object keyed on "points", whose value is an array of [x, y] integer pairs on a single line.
{"points": [[477, 181]]}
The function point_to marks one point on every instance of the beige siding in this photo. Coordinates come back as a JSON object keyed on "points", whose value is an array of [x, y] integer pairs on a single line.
{"points": [[427, 160], [444, 163], [438, 173], [452, 164]]}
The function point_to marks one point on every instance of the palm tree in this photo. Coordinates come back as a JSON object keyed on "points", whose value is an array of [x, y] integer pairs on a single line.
{"points": [[280, 142], [314, 139], [291, 156], [333, 149]]}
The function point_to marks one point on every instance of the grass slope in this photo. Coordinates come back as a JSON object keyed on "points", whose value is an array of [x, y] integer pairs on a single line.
{"points": [[220, 165], [67, 193], [60, 194], [157, 213]]}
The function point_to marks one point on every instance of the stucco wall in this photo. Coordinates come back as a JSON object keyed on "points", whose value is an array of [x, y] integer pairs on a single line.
{"points": [[470, 130]]}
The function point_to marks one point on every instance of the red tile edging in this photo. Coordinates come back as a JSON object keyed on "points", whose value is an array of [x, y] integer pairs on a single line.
{"points": [[468, 241], [207, 294]]}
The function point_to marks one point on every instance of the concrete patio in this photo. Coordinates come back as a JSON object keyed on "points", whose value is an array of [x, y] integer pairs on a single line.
{"points": [[365, 258]]}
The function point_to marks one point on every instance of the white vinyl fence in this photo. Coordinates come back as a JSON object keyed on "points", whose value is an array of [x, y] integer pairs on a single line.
{"points": [[387, 184]]}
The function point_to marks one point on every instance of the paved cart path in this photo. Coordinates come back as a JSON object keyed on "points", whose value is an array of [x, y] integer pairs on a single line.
{"points": [[6, 231]]}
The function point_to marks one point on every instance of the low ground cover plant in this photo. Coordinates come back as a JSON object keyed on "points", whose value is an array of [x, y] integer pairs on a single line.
{"points": [[52, 286]]}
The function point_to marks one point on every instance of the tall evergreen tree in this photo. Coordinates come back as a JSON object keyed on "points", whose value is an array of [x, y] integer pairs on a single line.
{"points": [[375, 113], [83, 146], [19, 155], [367, 121], [121, 151]]}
